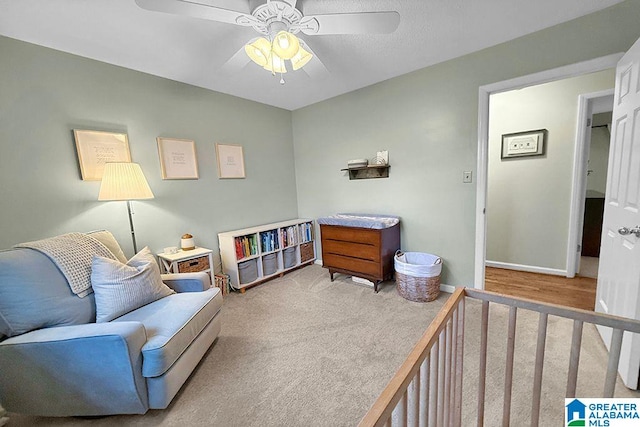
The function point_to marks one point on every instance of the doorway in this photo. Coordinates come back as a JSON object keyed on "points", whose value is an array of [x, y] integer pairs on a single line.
{"points": [[485, 92], [597, 166], [590, 176]]}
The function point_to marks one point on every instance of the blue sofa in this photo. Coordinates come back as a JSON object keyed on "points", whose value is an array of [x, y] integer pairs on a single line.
{"points": [[65, 364]]}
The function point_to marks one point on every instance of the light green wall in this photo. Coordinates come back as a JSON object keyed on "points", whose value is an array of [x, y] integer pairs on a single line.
{"points": [[529, 198], [428, 121], [44, 94]]}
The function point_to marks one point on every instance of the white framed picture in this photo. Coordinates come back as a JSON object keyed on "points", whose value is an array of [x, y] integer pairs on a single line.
{"points": [[95, 148], [177, 158], [230, 161], [524, 144]]}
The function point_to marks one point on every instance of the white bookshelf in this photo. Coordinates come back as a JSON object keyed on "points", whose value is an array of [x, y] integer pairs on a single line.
{"points": [[291, 242]]}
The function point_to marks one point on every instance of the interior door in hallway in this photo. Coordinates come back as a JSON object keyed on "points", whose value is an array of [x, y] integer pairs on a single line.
{"points": [[618, 289]]}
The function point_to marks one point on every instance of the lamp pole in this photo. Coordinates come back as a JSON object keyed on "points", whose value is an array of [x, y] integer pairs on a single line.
{"points": [[133, 233]]}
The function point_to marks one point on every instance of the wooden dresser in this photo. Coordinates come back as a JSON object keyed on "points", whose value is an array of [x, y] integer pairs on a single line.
{"points": [[361, 252]]}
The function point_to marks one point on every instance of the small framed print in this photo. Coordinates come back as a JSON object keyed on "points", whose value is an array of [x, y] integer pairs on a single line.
{"points": [[524, 144], [177, 158], [230, 161], [96, 148]]}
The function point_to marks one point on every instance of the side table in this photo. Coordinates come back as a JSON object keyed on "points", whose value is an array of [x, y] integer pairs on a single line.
{"points": [[198, 259]]}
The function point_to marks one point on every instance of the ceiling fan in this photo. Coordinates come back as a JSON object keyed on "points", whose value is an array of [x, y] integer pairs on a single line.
{"points": [[278, 21]]}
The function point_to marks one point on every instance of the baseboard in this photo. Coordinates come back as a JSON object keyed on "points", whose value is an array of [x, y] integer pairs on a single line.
{"points": [[528, 268], [447, 288], [318, 261]]}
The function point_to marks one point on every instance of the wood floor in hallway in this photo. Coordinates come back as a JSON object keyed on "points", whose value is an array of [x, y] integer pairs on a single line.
{"points": [[579, 292]]}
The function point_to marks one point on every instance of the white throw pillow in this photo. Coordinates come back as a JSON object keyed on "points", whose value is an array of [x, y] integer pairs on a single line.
{"points": [[106, 238], [120, 288]]}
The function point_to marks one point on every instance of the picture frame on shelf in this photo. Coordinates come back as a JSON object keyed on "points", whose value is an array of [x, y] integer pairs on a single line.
{"points": [[524, 144], [178, 158], [230, 161], [95, 148]]}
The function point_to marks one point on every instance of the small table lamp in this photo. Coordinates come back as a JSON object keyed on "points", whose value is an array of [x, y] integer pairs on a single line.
{"points": [[125, 181]]}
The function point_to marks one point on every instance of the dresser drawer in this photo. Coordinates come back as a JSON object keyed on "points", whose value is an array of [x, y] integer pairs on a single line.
{"points": [[350, 234], [194, 265], [354, 250], [354, 265]]}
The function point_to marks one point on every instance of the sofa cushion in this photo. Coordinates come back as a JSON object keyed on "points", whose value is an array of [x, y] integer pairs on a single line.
{"points": [[34, 294], [120, 288], [172, 323], [106, 238]]}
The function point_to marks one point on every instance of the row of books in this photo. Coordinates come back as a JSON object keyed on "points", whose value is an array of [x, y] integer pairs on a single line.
{"points": [[246, 246], [306, 231], [289, 236], [269, 241]]}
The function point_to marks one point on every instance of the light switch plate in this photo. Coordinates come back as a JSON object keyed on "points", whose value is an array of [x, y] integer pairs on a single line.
{"points": [[467, 177]]}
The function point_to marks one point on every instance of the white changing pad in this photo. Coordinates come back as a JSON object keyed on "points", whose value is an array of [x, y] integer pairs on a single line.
{"points": [[375, 221]]}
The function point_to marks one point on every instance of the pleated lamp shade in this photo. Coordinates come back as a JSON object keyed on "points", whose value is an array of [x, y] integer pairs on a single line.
{"points": [[124, 181]]}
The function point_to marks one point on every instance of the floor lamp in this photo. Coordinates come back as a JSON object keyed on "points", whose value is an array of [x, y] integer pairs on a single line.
{"points": [[125, 181]]}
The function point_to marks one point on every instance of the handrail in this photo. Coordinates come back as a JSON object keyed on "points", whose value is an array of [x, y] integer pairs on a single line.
{"points": [[383, 407], [441, 347], [601, 319]]}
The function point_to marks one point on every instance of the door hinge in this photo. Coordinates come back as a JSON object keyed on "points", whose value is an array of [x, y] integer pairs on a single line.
{"points": [[579, 248], [588, 122]]}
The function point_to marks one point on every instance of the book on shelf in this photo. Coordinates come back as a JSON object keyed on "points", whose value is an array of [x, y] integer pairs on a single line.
{"points": [[289, 236], [269, 241], [246, 246], [306, 232]]}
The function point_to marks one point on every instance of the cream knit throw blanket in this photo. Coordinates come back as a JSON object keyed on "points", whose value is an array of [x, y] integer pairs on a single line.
{"points": [[72, 253]]}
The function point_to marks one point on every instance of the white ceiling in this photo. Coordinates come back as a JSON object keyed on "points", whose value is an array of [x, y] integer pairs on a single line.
{"points": [[193, 51]]}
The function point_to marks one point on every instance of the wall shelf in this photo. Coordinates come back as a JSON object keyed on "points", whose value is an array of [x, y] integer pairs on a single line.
{"points": [[368, 172]]}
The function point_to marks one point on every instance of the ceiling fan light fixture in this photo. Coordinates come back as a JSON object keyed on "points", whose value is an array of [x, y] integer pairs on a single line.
{"points": [[259, 51], [285, 45], [275, 64], [300, 59]]}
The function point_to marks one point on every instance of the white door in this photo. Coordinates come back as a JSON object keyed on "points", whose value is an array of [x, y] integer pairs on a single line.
{"points": [[618, 291]]}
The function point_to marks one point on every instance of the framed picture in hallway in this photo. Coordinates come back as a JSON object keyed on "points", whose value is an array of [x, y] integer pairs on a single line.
{"points": [[524, 144], [95, 148], [230, 161]]}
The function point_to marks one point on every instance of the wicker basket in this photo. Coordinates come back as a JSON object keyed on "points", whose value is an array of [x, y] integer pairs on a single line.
{"points": [[418, 289], [418, 275], [194, 265], [306, 251]]}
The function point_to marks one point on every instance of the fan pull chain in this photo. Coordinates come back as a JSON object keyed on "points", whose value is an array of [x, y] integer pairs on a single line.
{"points": [[281, 79]]}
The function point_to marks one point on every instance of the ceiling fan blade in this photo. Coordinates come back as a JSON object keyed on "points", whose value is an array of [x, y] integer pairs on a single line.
{"points": [[195, 9], [292, 3], [238, 61], [351, 23]]}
